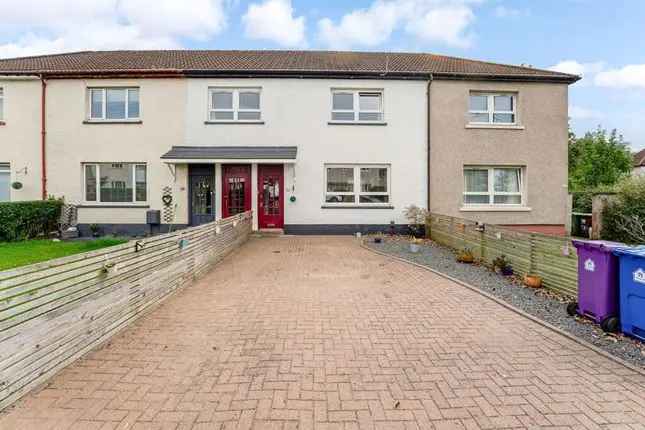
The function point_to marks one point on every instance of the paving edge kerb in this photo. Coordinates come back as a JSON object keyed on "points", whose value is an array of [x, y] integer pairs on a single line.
{"points": [[507, 305]]}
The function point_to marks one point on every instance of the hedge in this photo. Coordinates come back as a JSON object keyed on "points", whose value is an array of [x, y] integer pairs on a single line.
{"points": [[624, 219], [25, 220]]}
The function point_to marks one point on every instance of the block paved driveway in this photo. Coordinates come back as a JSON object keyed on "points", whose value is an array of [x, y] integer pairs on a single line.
{"points": [[316, 332]]}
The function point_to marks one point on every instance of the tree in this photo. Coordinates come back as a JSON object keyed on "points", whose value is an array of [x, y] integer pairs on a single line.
{"points": [[597, 159]]}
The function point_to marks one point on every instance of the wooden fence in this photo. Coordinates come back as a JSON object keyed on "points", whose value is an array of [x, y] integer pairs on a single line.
{"points": [[53, 312], [554, 258]]}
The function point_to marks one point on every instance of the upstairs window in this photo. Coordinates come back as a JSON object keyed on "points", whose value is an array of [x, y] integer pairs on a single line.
{"points": [[115, 182], [493, 186], [357, 184], [492, 108], [1, 104], [113, 104], [357, 106], [234, 104]]}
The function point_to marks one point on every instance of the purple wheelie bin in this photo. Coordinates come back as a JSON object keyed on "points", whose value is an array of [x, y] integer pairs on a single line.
{"points": [[597, 283]]}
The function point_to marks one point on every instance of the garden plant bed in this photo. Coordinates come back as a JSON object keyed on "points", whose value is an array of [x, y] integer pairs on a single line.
{"points": [[16, 254], [542, 304]]}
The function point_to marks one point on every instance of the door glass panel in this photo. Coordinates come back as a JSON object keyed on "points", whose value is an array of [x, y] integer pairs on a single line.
{"points": [[271, 196], [202, 196], [236, 195]]}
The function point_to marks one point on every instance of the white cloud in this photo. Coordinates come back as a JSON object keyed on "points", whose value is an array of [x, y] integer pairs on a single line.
{"points": [[274, 20], [631, 76], [575, 68], [445, 21], [50, 26], [578, 112]]}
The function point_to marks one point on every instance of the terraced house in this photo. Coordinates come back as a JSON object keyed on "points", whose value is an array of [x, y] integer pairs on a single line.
{"points": [[313, 142]]}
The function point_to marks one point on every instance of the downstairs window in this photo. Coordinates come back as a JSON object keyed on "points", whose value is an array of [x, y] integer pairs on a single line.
{"points": [[357, 184], [493, 186], [115, 182]]}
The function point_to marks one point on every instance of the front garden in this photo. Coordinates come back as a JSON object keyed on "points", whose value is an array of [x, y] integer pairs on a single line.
{"points": [[541, 303], [16, 254]]}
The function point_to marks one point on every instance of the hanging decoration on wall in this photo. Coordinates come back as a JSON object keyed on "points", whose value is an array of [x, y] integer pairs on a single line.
{"points": [[166, 198]]}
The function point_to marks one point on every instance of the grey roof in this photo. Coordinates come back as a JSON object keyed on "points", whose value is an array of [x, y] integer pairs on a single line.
{"points": [[232, 152]]}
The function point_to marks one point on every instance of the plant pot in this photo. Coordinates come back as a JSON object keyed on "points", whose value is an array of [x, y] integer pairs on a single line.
{"points": [[378, 239], [507, 271], [414, 248], [467, 259], [533, 281]]}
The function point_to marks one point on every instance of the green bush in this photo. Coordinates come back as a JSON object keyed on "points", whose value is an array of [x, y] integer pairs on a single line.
{"points": [[25, 220], [624, 218]]}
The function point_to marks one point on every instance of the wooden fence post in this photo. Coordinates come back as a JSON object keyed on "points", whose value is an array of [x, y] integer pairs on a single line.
{"points": [[533, 255]]}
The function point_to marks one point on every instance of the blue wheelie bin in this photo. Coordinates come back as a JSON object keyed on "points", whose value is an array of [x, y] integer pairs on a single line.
{"points": [[631, 286]]}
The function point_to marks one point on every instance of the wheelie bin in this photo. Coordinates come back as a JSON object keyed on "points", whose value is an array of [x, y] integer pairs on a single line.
{"points": [[597, 283], [632, 290]]}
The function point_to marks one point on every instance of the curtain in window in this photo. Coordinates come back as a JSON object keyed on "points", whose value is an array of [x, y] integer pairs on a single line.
{"points": [[507, 180], [340, 179], [476, 181]]}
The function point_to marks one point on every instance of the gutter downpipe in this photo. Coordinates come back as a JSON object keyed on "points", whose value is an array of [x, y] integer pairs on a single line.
{"points": [[428, 135], [43, 136]]}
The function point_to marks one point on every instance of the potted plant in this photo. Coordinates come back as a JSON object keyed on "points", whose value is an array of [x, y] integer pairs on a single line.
{"points": [[532, 281], [503, 266], [415, 245], [95, 229], [465, 256], [378, 238], [416, 217]]}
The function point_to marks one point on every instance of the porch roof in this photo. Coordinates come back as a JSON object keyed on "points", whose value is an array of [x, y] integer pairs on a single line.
{"points": [[211, 154]]}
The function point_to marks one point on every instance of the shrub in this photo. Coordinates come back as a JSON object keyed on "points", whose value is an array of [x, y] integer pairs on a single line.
{"points": [[624, 218], [25, 220]]}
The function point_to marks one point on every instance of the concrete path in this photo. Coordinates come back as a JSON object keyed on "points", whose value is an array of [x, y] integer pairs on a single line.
{"points": [[316, 332]]}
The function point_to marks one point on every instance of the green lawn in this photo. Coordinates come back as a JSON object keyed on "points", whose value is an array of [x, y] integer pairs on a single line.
{"points": [[15, 254]]}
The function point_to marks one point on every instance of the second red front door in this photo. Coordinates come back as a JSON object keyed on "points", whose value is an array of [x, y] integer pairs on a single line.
{"points": [[270, 196], [236, 189]]}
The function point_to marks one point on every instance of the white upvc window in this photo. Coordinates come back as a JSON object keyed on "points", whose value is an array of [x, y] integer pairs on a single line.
{"points": [[234, 104], [486, 186], [1, 104], [5, 182], [362, 106], [362, 184], [493, 108], [113, 104], [115, 183]]}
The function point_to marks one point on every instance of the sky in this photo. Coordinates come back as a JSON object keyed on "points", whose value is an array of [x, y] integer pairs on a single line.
{"points": [[597, 39]]}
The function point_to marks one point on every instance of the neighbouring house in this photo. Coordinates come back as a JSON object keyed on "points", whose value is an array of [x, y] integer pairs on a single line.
{"points": [[312, 142], [639, 163]]}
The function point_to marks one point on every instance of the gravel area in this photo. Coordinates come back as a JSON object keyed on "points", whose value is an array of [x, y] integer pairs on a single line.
{"points": [[540, 303]]}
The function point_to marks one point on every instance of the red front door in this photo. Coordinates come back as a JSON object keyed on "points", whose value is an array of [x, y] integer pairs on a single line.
{"points": [[236, 189], [270, 196]]}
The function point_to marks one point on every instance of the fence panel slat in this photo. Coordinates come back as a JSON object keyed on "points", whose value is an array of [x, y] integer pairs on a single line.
{"points": [[53, 312], [553, 258]]}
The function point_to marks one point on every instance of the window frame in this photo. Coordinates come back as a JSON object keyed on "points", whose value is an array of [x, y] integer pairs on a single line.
{"points": [[356, 109], [357, 193], [235, 105], [490, 105], [6, 168], [491, 188], [103, 118], [3, 105], [97, 167]]}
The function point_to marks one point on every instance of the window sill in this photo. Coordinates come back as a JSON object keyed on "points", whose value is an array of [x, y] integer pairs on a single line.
{"points": [[113, 206], [495, 209], [381, 123], [357, 207], [94, 122], [495, 126], [233, 122]]}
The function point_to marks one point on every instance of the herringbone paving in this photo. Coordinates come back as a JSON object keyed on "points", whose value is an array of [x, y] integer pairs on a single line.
{"points": [[316, 332]]}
